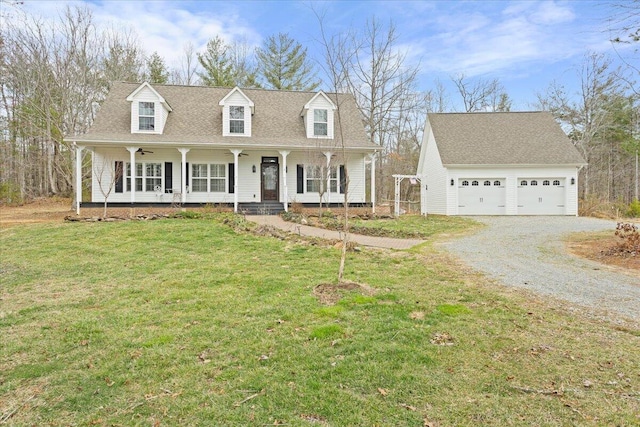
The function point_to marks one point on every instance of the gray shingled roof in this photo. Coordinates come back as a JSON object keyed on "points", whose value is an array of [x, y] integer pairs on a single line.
{"points": [[197, 118], [519, 138]]}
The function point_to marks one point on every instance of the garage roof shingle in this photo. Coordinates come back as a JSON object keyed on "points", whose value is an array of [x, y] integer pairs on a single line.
{"points": [[513, 138]]}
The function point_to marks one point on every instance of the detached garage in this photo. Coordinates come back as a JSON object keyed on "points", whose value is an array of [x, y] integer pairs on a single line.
{"points": [[498, 164]]}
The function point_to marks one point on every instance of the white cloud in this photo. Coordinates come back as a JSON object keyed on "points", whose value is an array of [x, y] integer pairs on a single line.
{"points": [[162, 26], [483, 40], [549, 12]]}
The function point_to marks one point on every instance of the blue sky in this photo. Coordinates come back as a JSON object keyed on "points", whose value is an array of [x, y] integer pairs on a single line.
{"points": [[525, 44]]}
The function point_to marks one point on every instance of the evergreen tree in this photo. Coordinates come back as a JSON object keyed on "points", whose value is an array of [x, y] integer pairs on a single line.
{"points": [[283, 64], [217, 64], [156, 69]]}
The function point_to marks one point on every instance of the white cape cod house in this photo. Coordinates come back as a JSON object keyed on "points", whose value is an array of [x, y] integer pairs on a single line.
{"points": [[162, 144], [515, 163]]}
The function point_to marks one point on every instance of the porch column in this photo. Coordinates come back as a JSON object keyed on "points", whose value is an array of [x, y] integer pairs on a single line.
{"points": [[132, 162], [284, 154], [183, 175], [236, 154], [373, 182], [327, 187], [78, 177], [396, 204]]}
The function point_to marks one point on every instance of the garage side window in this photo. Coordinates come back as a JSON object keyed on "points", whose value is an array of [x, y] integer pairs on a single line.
{"points": [[523, 183], [474, 183], [556, 182], [487, 183], [545, 182], [465, 183], [534, 182]]}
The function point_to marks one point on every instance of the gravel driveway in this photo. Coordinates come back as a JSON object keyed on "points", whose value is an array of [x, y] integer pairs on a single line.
{"points": [[528, 252]]}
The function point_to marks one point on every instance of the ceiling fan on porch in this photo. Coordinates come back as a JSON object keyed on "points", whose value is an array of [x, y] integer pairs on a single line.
{"points": [[143, 152]]}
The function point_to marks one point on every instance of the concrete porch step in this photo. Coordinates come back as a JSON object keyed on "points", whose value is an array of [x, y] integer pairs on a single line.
{"points": [[264, 208]]}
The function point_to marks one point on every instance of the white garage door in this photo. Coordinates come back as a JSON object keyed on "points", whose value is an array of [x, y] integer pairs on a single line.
{"points": [[541, 196], [481, 196]]}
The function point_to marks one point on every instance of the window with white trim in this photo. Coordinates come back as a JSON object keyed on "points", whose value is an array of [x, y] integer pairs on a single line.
{"points": [[146, 116], [496, 183], [199, 177], [218, 178], [333, 179], [534, 182], [474, 183], [208, 178], [314, 179], [556, 182], [546, 182], [148, 176], [320, 122], [236, 119], [486, 183], [523, 183], [153, 176], [465, 183]]}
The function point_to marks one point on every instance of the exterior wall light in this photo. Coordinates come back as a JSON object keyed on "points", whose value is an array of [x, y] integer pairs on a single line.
{"points": [[253, 168], [573, 181], [452, 182]]}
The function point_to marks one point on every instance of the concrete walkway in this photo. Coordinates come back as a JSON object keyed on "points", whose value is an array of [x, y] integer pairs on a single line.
{"points": [[306, 230]]}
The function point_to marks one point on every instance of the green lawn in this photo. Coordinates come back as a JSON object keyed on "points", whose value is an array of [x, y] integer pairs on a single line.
{"points": [[188, 322]]}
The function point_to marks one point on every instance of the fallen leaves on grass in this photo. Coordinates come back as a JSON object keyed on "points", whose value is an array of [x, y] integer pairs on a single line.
{"points": [[408, 407], [330, 293], [312, 418], [417, 315], [202, 357], [441, 338]]}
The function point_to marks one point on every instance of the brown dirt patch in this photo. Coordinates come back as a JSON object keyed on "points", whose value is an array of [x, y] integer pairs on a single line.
{"points": [[594, 246], [39, 211], [331, 293]]}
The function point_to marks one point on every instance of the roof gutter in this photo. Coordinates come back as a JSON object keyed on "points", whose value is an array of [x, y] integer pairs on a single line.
{"points": [[211, 145]]}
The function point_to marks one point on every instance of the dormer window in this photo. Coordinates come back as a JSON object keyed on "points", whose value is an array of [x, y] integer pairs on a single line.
{"points": [[146, 116], [237, 110], [318, 114], [149, 110], [236, 119], [320, 122]]}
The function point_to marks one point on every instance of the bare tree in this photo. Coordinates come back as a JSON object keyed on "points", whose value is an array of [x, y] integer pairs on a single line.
{"points": [[108, 173], [602, 124], [436, 99], [187, 74], [244, 68], [480, 95], [376, 72], [55, 74], [338, 52]]}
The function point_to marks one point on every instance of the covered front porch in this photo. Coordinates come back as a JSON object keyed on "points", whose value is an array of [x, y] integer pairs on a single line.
{"points": [[231, 176]]}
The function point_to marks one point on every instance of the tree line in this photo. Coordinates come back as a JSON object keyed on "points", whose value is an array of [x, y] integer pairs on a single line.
{"points": [[56, 73]]}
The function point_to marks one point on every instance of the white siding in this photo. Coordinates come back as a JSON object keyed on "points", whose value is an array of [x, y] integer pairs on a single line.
{"points": [[434, 176]]}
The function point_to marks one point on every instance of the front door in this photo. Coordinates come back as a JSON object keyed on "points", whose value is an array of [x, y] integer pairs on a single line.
{"points": [[269, 168]]}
